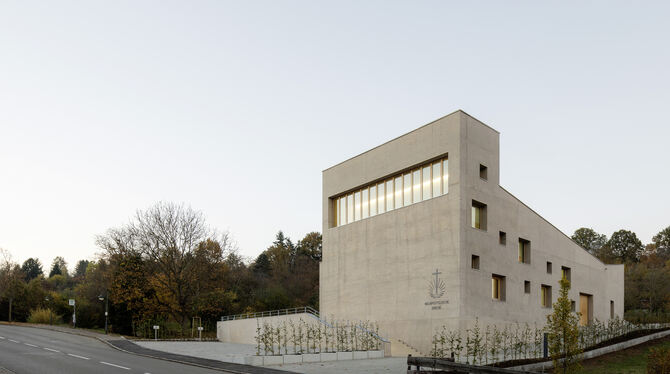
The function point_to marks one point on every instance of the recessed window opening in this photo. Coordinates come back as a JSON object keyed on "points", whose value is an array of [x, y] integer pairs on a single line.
{"points": [[565, 273], [475, 262], [526, 286], [498, 287], [478, 215], [548, 267], [572, 305], [502, 238], [611, 309], [545, 296], [524, 251], [483, 172]]}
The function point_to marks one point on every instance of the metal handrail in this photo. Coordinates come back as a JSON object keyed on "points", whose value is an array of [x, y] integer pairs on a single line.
{"points": [[271, 313]]}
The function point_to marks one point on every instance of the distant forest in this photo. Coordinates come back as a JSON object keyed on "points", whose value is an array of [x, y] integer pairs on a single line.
{"points": [[165, 267]]}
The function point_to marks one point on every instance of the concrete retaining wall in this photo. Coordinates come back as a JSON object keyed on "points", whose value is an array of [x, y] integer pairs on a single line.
{"points": [[310, 357], [541, 366], [243, 331]]}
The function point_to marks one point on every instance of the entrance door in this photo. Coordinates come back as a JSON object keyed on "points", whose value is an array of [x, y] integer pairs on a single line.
{"points": [[585, 308]]}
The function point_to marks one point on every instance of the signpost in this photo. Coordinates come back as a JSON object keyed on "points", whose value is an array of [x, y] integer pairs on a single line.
{"points": [[156, 327], [200, 332], [74, 313]]}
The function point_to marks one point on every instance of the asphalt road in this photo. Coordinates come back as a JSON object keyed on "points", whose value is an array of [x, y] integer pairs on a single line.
{"points": [[26, 350]]}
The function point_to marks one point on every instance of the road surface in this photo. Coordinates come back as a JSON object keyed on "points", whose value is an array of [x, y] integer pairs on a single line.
{"points": [[25, 350]]}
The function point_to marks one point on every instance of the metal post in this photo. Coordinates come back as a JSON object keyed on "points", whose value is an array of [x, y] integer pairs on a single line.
{"points": [[74, 316], [106, 312]]}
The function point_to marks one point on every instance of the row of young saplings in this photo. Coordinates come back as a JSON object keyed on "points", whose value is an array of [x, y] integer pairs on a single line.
{"points": [[301, 337], [486, 346]]}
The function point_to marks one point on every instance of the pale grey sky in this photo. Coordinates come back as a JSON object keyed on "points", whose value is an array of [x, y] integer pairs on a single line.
{"points": [[235, 108]]}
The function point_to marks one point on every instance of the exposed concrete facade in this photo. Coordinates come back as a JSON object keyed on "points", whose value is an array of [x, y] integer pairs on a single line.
{"points": [[379, 268]]}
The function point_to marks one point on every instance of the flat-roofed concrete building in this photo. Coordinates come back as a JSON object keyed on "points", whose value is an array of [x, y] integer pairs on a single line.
{"points": [[418, 233]]}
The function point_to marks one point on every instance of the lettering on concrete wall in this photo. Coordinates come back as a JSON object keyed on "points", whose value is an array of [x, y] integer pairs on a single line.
{"points": [[436, 290]]}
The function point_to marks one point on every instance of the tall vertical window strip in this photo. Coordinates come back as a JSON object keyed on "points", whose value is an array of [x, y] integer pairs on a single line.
{"points": [[407, 190], [437, 179], [398, 192], [428, 181], [357, 206], [389, 195], [365, 207], [336, 208], [416, 185], [373, 201], [445, 176], [381, 205]]}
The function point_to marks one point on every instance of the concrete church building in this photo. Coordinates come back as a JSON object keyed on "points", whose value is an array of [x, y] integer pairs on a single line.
{"points": [[418, 233]]}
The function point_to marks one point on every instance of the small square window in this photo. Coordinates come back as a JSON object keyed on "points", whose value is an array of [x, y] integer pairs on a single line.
{"points": [[548, 267], [478, 215], [475, 262], [483, 172], [526, 286], [502, 238]]}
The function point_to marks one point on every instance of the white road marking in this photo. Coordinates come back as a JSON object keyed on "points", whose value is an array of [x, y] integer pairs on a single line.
{"points": [[77, 356], [12, 340], [52, 350], [116, 366], [31, 345], [2, 337]]}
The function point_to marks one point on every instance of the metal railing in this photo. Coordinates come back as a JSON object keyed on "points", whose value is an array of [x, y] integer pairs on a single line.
{"points": [[271, 313]]}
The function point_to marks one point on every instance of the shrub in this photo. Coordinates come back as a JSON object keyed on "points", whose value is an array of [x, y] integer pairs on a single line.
{"points": [[658, 361], [44, 316]]}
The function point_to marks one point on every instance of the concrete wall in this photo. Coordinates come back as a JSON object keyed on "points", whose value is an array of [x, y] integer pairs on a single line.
{"points": [[379, 268], [243, 331]]}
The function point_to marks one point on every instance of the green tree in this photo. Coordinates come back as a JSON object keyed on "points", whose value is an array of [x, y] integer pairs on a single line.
{"points": [[589, 239], [311, 246], [625, 246], [661, 242], [32, 268], [80, 269], [58, 267], [563, 333]]}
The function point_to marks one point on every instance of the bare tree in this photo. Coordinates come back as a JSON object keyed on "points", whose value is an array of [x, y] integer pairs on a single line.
{"points": [[167, 236]]}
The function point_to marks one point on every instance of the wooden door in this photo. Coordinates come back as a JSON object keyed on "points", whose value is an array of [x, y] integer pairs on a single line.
{"points": [[584, 309]]}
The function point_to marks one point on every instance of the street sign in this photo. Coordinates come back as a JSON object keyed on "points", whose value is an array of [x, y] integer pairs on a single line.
{"points": [[200, 328], [71, 302], [156, 327]]}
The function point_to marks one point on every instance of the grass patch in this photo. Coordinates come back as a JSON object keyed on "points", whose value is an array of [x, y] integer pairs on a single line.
{"points": [[628, 361]]}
